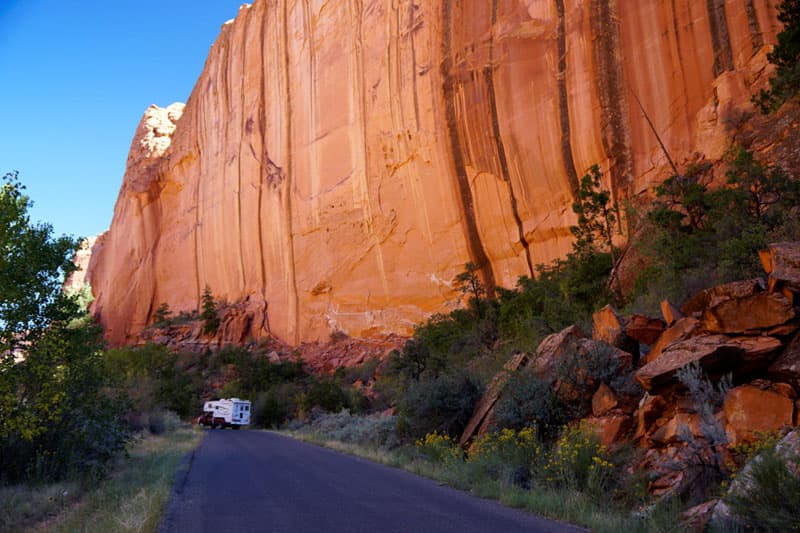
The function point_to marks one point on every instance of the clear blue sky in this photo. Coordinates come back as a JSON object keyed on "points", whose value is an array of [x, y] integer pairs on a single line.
{"points": [[75, 78]]}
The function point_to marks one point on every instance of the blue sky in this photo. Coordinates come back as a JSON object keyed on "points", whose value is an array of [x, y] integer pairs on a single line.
{"points": [[75, 78]]}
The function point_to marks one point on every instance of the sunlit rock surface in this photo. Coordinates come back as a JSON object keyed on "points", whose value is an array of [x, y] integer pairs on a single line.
{"points": [[337, 163]]}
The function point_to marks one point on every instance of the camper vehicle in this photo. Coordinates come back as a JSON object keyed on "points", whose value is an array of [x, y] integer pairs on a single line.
{"points": [[231, 412]]}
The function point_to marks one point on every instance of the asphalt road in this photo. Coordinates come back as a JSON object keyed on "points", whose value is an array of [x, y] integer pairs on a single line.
{"points": [[241, 481]]}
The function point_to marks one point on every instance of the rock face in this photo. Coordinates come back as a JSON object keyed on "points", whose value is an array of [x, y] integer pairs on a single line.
{"points": [[339, 162], [78, 279]]}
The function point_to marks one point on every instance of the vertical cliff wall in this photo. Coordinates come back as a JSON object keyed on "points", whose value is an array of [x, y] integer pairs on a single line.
{"points": [[337, 163]]}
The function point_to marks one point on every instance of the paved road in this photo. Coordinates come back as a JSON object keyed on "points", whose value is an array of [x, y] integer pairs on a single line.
{"points": [[241, 481]]}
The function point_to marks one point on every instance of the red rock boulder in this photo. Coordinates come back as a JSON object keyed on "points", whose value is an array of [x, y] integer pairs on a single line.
{"points": [[713, 352], [782, 262], [680, 330], [644, 329], [787, 366], [610, 429], [749, 409]]}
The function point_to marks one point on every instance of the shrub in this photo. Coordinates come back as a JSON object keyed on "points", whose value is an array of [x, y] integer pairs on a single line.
{"points": [[439, 448], [152, 379], [579, 462], [528, 400], [770, 494], [326, 395], [162, 315], [507, 456], [703, 459], [714, 234], [254, 372], [161, 422], [275, 406], [64, 422], [443, 405]]}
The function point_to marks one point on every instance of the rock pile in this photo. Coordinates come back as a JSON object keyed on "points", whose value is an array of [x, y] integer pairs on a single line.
{"points": [[744, 334]]}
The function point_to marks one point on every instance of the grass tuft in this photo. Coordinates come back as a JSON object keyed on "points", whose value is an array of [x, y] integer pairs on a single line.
{"points": [[132, 498]]}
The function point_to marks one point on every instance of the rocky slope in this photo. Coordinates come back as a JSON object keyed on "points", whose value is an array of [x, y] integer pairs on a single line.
{"points": [[742, 334], [338, 162]]}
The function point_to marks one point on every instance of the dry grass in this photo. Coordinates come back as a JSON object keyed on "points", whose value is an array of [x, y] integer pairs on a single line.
{"points": [[132, 498]]}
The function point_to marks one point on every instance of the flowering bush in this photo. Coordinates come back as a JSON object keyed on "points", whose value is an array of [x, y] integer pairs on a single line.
{"points": [[439, 448], [508, 456], [578, 461]]}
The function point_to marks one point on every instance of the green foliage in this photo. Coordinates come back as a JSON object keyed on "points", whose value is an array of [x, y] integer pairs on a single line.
{"points": [[444, 342], [275, 406], [529, 400], [56, 418], [209, 313], [469, 284], [702, 237], [327, 395], [153, 380], [162, 315], [32, 265], [578, 461], [439, 448], [768, 496], [374, 430], [443, 404], [508, 456], [597, 216], [786, 57], [255, 372]]}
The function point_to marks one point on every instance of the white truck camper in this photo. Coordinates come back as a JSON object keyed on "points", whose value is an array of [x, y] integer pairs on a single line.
{"points": [[227, 412]]}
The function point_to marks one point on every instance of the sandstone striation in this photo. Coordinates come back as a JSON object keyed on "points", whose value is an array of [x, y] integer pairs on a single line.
{"points": [[337, 163]]}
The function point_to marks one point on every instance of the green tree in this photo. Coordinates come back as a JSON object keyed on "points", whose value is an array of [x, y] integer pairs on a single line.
{"points": [[162, 315], [33, 264], [701, 237], [55, 417], [469, 284], [786, 57], [597, 216], [209, 312]]}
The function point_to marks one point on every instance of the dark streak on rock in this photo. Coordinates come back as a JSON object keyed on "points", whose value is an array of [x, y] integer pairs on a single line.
{"points": [[488, 73], [286, 201], [610, 79], [563, 102], [262, 131], [756, 37], [720, 40], [474, 245]]}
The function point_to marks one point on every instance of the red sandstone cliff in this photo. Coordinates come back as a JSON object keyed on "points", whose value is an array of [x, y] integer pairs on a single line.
{"points": [[338, 162]]}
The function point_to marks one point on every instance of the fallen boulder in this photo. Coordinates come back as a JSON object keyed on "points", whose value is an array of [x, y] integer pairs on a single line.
{"points": [[611, 428], [644, 329], [670, 312], [603, 400], [608, 326], [650, 409], [749, 410], [674, 430], [755, 312], [486, 404], [680, 330], [716, 295], [714, 353]]}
